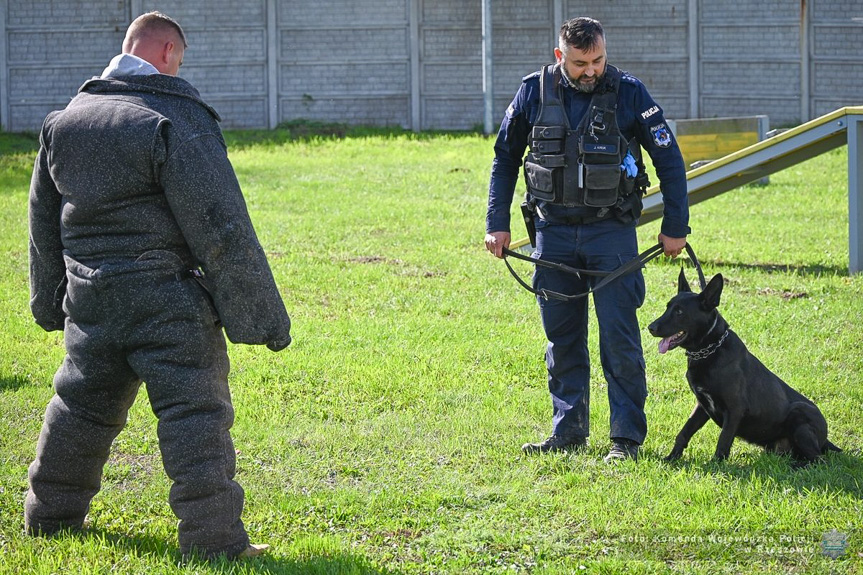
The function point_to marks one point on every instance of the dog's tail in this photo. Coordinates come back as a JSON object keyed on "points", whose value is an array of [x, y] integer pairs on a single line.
{"points": [[828, 446]]}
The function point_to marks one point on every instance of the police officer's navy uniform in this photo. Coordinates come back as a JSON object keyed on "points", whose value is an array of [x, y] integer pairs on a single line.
{"points": [[572, 232], [142, 251]]}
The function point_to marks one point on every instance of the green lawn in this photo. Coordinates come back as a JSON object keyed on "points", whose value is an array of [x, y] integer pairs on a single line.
{"points": [[387, 438]]}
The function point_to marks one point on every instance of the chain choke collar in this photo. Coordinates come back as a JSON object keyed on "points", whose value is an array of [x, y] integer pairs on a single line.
{"points": [[709, 350]]}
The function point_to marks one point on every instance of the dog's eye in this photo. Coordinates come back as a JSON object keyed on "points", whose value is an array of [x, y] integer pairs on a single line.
{"points": [[678, 311]]}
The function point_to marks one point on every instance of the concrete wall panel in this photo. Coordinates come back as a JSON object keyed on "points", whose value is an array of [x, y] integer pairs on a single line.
{"points": [[403, 62]]}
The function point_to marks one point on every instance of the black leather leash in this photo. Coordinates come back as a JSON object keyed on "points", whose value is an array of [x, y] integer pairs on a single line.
{"points": [[607, 277]]}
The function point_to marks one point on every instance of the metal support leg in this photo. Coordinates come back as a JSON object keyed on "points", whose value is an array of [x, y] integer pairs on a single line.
{"points": [[855, 193]]}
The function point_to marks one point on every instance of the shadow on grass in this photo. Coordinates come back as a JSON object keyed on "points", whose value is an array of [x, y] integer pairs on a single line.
{"points": [[13, 382], [296, 130], [18, 143], [160, 550], [816, 270], [304, 131], [801, 270], [837, 472]]}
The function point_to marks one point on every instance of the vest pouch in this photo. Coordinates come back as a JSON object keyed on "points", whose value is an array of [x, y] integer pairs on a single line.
{"points": [[601, 182], [573, 177], [627, 184], [539, 181], [548, 133], [600, 169], [546, 146]]}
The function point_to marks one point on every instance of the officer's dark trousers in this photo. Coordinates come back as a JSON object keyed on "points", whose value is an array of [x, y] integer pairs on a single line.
{"points": [[600, 246], [127, 323]]}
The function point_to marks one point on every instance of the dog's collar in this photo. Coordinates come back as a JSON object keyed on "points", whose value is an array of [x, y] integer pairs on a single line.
{"points": [[709, 350]]}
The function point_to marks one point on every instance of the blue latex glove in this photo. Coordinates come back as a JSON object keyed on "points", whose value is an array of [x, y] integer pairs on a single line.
{"points": [[629, 166]]}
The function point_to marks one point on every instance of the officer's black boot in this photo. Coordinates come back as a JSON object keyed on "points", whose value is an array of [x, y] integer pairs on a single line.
{"points": [[622, 449], [556, 443]]}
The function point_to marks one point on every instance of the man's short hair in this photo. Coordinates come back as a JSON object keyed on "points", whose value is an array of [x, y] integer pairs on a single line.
{"points": [[154, 22], [580, 33]]}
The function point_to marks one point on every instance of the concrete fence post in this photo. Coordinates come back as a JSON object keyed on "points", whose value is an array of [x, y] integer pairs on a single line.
{"points": [[4, 70], [487, 66]]}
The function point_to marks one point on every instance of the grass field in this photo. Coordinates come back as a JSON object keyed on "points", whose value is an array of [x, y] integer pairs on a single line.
{"points": [[387, 438]]}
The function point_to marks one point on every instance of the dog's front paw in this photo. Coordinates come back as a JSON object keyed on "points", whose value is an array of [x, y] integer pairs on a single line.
{"points": [[720, 456], [673, 456]]}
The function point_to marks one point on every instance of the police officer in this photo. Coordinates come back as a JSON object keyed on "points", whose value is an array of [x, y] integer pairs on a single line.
{"points": [[585, 122], [142, 251]]}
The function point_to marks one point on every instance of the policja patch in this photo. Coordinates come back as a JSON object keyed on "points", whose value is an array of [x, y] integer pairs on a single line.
{"points": [[661, 135]]}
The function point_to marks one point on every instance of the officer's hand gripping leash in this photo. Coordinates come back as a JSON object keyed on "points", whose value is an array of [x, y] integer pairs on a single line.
{"points": [[607, 277]]}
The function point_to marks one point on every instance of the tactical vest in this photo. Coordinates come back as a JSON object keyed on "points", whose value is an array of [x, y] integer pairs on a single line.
{"points": [[582, 167]]}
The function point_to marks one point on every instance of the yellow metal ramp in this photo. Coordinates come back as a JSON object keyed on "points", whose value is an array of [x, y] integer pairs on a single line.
{"points": [[844, 126]]}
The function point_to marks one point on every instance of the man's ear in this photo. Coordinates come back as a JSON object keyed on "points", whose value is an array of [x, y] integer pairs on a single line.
{"points": [[167, 50], [682, 282], [558, 55], [710, 296]]}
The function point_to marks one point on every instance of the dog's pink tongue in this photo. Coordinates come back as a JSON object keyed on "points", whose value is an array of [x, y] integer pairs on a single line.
{"points": [[664, 344]]}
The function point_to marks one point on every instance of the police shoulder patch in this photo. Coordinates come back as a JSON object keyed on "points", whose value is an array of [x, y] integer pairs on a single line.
{"points": [[661, 135], [649, 112]]}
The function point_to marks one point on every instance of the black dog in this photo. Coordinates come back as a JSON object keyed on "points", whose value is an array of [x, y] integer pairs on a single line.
{"points": [[732, 386]]}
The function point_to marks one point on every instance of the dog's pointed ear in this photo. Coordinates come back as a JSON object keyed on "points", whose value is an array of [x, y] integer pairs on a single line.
{"points": [[682, 282], [710, 295]]}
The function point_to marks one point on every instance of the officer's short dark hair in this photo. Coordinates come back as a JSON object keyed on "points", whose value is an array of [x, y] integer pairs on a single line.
{"points": [[155, 21], [580, 33]]}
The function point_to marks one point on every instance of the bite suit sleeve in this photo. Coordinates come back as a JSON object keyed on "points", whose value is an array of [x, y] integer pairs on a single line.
{"points": [[47, 268], [205, 197]]}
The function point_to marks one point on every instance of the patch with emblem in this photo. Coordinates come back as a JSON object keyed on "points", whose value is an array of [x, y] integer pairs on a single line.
{"points": [[661, 135]]}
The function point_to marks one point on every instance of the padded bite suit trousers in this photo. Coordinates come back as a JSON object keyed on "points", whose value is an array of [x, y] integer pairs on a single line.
{"points": [[128, 322]]}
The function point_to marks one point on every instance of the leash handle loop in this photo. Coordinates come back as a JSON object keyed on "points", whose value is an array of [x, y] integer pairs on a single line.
{"points": [[694, 259]]}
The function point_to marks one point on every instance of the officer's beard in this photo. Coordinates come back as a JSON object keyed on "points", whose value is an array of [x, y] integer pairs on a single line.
{"points": [[580, 86]]}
